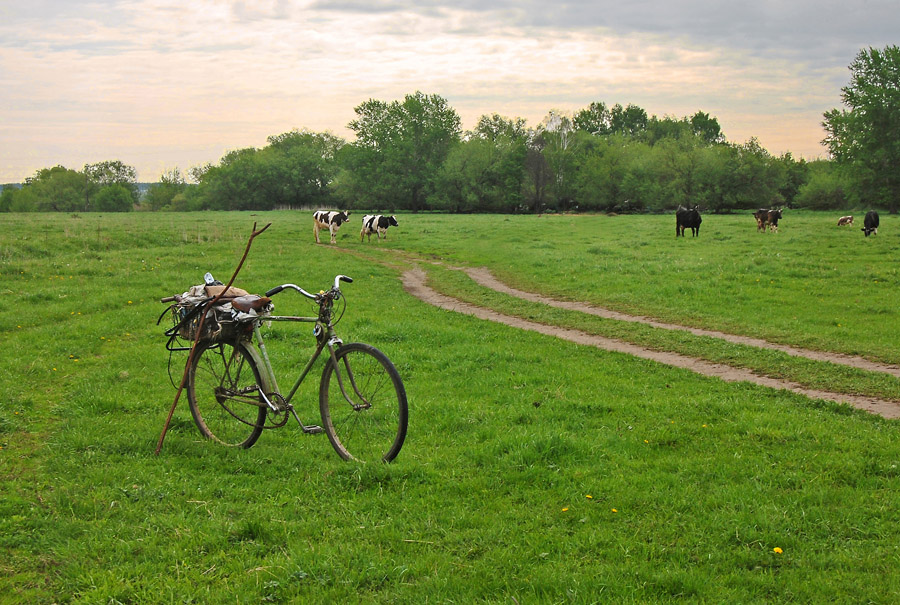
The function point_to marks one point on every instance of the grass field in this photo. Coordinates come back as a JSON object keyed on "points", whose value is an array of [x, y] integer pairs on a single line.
{"points": [[535, 470]]}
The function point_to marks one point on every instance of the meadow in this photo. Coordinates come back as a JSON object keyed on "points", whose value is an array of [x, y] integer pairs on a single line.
{"points": [[535, 470]]}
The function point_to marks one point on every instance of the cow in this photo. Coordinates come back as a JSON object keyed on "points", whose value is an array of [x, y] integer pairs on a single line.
{"points": [[687, 218], [845, 220], [767, 218], [871, 223], [324, 219], [761, 216], [377, 224]]}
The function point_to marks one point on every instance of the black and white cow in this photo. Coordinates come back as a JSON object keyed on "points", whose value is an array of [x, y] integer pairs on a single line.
{"points": [[377, 224], [330, 220], [687, 218], [871, 223]]}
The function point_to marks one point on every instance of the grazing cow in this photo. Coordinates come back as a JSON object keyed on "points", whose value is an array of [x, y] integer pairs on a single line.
{"points": [[323, 219], [687, 218], [761, 216], [767, 218], [845, 220], [377, 224], [871, 223]]}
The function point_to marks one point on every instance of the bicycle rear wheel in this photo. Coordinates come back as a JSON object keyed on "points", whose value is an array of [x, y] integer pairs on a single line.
{"points": [[367, 419], [224, 394]]}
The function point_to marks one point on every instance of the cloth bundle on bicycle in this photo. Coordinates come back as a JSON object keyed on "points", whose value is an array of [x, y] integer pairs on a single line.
{"points": [[202, 292], [228, 320]]}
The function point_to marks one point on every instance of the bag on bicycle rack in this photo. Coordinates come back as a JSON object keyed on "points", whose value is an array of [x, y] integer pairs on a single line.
{"points": [[223, 323]]}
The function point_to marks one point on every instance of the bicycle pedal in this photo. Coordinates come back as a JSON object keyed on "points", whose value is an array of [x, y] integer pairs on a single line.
{"points": [[313, 429]]}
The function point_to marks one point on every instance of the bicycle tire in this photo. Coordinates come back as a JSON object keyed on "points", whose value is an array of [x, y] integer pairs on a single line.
{"points": [[217, 374], [372, 427]]}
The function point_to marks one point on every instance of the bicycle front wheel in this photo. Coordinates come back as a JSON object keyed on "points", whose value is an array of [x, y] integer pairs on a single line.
{"points": [[224, 392], [363, 404]]}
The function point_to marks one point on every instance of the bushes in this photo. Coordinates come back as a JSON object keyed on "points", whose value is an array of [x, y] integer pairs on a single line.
{"points": [[824, 190]]}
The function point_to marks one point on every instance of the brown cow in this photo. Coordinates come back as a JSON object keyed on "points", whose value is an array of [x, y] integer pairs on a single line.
{"points": [[845, 220], [767, 218]]}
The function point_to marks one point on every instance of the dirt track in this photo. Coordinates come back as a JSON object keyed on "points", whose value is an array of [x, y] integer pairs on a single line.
{"points": [[414, 281]]}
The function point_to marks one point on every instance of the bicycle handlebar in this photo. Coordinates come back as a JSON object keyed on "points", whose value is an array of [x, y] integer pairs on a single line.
{"points": [[337, 280]]}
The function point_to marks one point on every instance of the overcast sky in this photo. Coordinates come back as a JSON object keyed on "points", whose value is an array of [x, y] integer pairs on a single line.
{"points": [[163, 84]]}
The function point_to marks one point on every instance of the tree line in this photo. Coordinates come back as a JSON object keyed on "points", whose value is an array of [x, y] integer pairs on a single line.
{"points": [[412, 155]]}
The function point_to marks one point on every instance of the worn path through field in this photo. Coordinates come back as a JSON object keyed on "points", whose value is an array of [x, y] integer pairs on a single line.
{"points": [[414, 281]]}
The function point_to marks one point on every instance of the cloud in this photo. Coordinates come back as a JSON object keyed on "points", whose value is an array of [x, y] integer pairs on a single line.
{"points": [[89, 81], [811, 30]]}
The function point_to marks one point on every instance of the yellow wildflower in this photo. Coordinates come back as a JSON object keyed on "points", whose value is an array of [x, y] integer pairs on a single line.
{"points": [[777, 550]]}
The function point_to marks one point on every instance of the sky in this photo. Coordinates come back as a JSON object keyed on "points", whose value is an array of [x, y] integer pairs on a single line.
{"points": [[170, 84]]}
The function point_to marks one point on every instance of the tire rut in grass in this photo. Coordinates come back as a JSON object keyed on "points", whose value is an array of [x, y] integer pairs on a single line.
{"points": [[414, 282], [484, 277]]}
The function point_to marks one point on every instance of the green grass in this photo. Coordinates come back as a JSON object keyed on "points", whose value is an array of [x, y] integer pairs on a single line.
{"points": [[812, 284], [692, 482], [777, 364]]}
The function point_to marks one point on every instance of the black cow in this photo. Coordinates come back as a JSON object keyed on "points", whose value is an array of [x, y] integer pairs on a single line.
{"points": [[871, 223], [687, 218], [323, 219], [767, 218], [377, 224]]}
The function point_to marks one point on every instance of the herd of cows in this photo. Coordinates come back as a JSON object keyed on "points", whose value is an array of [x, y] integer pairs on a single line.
{"points": [[685, 218], [332, 221], [766, 219]]}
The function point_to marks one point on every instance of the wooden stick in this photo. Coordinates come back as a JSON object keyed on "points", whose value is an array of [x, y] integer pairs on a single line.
{"points": [[206, 308]]}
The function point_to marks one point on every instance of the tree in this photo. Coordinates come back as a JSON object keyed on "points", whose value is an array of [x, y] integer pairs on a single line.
{"points": [[105, 174], [865, 138], [707, 128], [239, 182], [197, 173], [755, 179], [824, 189], [602, 168], [301, 165], [557, 132], [399, 149], [113, 198], [496, 128], [160, 195], [56, 189], [594, 119], [599, 120], [485, 171], [537, 173], [483, 174], [629, 121], [7, 195]]}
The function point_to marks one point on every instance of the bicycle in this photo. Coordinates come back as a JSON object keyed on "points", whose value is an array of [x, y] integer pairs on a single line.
{"points": [[233, 393]]}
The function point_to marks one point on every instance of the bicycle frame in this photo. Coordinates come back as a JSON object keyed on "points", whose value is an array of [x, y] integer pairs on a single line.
{"points": [[325, 338]]}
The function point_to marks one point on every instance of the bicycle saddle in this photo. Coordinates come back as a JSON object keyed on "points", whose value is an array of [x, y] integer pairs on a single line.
{"points": [[250, 302]]}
